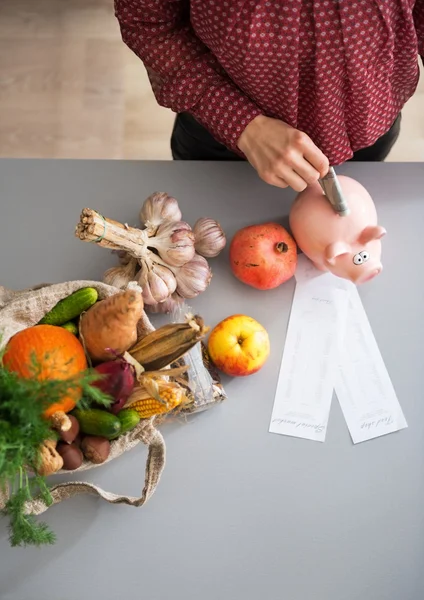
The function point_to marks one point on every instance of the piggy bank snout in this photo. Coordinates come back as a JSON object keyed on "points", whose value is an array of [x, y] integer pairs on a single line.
{"points": [[368, 273], [358, 264]]}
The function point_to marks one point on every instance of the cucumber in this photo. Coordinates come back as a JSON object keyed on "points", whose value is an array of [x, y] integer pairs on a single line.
{"points": [[95, 421], [70, 307], [128, 419], [71, 327]]}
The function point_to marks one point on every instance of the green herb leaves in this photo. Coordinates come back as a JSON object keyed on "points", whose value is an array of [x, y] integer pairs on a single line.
{"points": [[23, 429]]}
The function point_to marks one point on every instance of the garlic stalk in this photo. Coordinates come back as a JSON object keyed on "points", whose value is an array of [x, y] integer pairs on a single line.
{"points": [[120, 276], [123, 256], [157, 208], [209, 237], [174, 242]]}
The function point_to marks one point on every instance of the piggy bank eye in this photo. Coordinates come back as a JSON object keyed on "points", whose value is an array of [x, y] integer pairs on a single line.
{"points": [[357, 259], [365, 255]]}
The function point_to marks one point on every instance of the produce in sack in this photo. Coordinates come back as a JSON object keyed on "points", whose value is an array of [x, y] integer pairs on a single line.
{"points": [[164, 257], [129, 420], [263, 256], [71, 327], [109, 327], [155, 397], [96, 449], [112, 333], [239, 346], [71, 455], [200, 378], [58, 356], [95, 421], [118, 379], [50, 461], [78, 440], [71, 307], [71, 434], [167, 344]]}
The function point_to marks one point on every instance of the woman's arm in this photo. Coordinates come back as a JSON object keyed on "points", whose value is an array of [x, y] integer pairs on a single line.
{"points": [[186, 77], [419, 26], [184, 74]]}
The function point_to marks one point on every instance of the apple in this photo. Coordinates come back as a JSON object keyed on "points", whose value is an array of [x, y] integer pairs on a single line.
{"points": [[239, 346]]}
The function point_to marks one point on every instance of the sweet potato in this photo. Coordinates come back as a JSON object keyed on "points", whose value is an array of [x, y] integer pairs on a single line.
{"points": [[110, 326]]}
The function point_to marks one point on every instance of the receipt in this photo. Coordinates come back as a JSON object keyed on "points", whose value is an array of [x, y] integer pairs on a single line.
{"points": [[309, 364], [364, 389], [330, 346]]}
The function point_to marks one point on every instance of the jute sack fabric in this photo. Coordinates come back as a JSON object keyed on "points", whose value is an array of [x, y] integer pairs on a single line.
{"points": [[22, 309]]}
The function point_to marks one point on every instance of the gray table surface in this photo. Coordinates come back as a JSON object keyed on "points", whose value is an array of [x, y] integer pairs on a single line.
{"points": [[239, 514]]}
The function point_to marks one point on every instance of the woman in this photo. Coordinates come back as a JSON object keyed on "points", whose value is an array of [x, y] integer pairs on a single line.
{"points": [[290, 85]]}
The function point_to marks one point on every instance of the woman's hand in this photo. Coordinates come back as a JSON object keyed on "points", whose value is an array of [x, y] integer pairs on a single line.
{"points": [[282, 156]]}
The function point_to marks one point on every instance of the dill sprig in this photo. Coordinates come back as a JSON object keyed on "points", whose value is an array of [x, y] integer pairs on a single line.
{"points": [[25, 530], [23, 429]]}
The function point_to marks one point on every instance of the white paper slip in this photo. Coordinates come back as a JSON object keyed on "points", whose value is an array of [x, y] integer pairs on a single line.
{"points": [[309, 365], [363, 386]]}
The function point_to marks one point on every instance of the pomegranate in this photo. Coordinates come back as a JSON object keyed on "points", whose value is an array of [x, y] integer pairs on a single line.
{"points": [[263, 256]]}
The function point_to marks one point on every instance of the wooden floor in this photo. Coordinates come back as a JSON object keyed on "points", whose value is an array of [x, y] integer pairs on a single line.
{"points": [[69, 88]]}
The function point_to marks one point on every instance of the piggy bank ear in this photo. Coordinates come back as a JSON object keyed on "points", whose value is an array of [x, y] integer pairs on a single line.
{"points": [[334, 250], [373, 232]]}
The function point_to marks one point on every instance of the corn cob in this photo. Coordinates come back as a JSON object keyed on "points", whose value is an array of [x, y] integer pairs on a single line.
{"points": [[155, 398], [150, 407], [167, 344]]}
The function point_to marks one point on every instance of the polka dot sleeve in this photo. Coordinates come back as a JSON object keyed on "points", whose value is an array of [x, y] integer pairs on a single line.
{"points": [[419, 25], [184, 74]]}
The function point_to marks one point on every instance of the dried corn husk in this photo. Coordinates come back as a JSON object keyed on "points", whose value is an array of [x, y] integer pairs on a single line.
{"points": [[167, 344], [201, 380]]}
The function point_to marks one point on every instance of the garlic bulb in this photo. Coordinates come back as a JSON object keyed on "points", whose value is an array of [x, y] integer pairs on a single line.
{"points": [[166, 275], [174, 242], [156, 283], [193, 277], [120, 276], [157, 208], [209, 237], [165, 307]]}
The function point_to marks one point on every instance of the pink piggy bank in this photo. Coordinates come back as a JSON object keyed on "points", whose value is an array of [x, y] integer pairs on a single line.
{"points": [[349, 246]]}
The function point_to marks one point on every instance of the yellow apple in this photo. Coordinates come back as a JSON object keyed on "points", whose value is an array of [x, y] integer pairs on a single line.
{"points": [[239, 345]]}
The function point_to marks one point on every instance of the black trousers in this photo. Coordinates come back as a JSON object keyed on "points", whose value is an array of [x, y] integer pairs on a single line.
{"points": [[191, 141]]}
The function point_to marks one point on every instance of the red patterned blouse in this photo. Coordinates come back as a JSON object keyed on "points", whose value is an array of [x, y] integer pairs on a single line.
{"points": [[339, 70]]}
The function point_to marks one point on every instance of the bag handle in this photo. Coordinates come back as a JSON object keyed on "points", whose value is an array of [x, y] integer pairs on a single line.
{"points": [[155, 465]]}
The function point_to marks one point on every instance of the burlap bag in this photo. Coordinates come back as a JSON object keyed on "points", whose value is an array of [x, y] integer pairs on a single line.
{"points": [[19, 310]]}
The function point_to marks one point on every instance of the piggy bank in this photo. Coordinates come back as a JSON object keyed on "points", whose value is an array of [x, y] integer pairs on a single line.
{"points": [[347, 246]]}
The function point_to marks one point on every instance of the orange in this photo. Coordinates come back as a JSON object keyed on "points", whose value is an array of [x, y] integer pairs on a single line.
{"points": [[58, 355]]}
